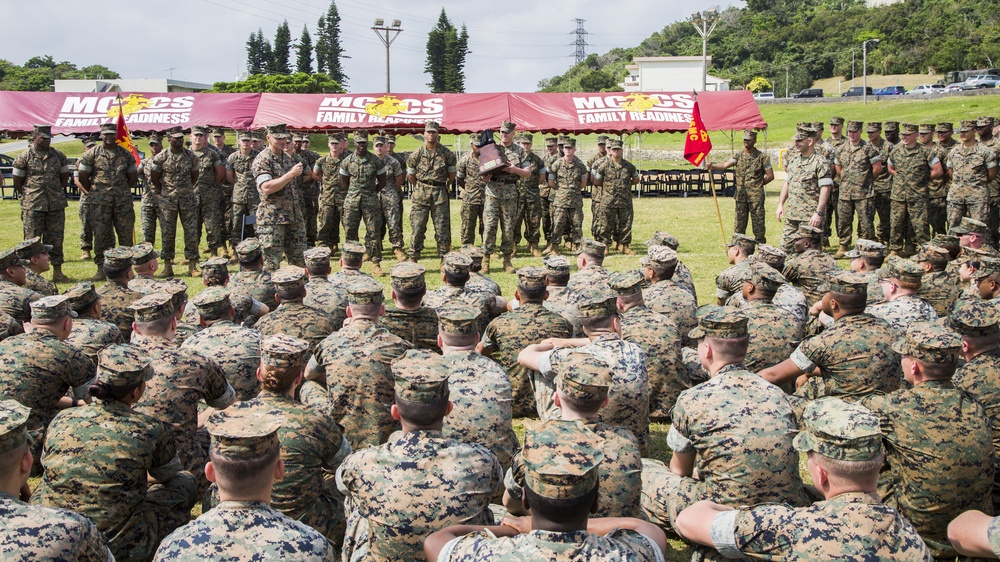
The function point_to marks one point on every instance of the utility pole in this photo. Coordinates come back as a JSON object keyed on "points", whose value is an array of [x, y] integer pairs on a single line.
{"points": [[704, 23], [171, 71], [581, 41], [786, 81], [864, 70], [383, 32]]}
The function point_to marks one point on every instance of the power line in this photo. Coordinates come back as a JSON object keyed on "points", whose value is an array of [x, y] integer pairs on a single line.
{"points": [[581, 41]]}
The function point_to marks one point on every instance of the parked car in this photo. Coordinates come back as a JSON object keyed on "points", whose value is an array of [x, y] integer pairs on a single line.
{"points": [[981, 81], [7, 167], [764, 96], [925, 89], [890, 91], [856, 91], [954, 87], [809, 93]]}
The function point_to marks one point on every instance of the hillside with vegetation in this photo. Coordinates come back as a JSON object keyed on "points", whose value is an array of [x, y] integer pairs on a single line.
{"points": [[808, 40]]}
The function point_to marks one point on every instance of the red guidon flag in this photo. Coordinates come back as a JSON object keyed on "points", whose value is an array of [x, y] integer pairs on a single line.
{"points": [[124, 138], [697, 145]]}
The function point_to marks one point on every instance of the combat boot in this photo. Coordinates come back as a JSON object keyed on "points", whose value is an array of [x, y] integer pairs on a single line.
{"points": [[193, 268], [549, 250], [168, 269], [486, 264], [58, 276], [841, 252], [626, 250], [99, 276], [533, 248], [508, 267], [398, 252], [377, 269]]}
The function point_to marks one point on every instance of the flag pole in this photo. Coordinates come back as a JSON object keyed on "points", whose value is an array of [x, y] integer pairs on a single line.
{"points": [[718, 213]]}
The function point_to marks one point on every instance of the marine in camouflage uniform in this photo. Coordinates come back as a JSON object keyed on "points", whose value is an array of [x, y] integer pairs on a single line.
{"points": [[418, 482], [568, 179], [752, 170], [172, 174], [320, 292], [10, 327], [882, 182], [938, 443], [682, 275], [108, 172], [308, 186], [354, 365], [208, 189], [937, 287], [590, 275], [857, 164], [115, 294], [225, 151], [148, 208], [913, 165], [245, 198], [430, 170], [664, 295], [86, 205], [774, 331], [472, 194], [411, 321], [331, 192], [182, 380], [33, 280], [279, 216], [545, 192], [40, 176], [830, 153], [984, 127], [739, 253], [937, 205], [350, 265], [247, 529], [529, 198], [235, 349], [851, 524], [479, 389], [90, 334], [455, 267], [15, 299], [251, 280], [970, 169], [98, 460], [615, 177], [500, 206], [561, 300], [810, 266], [477, 281], [805, 193], [391, 199], [598, 196], [903, 306], [512, 331], [293, 317], [364, 175]]}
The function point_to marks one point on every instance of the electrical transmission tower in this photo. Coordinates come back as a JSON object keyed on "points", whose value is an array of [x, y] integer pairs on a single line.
{"points": [[581, 41]]}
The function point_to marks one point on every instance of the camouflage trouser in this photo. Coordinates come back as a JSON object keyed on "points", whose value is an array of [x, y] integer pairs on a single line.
{"points": [[750, 203], [546, 212], [365, 206], [564, 218], [391, 204], [428, 200], [977, 208], [238, 212], [994, 222], [472, 214], [276, 239], [209, 215], [831, 208], [666, 382], [117, 217], [529, 214], [500, 210], [599, 222], [881, 208], [51, 226], [329, 226], [619, 221], [665, 494], [310, 213], [846, 208], [226, 207], [937, 214], [147, 218], [909, 224], [86, 213], [166, 507], [187, 210], [788, 233]]}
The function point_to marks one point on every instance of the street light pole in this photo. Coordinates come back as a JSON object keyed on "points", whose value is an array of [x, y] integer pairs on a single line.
{"points": [[382, 31], [864, 68], [704, 23]]}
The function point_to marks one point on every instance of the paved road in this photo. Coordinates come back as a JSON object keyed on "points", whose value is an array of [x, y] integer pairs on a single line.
{"points": [[20, 145]]}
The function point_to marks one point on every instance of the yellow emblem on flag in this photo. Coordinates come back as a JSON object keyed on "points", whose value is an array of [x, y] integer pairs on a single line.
{"points": [[385, 106], [130, 105]]}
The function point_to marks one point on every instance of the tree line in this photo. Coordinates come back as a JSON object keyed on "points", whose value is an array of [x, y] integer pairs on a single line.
{"points": [[39, 74]]}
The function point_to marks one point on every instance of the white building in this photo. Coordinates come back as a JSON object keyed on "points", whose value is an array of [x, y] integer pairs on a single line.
{"points": [[669, 74], [130, 85]]}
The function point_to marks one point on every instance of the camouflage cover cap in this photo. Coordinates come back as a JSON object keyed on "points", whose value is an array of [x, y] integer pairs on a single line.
{"points": [[32, 247], [119, 257], [284, 351], [836, 120], [874, 127], [987, 266], [408, 275], [459, 320], [944, 128], [802, 135], [569, 143], [173, 286], [279, 131], [974, 318], [212, 301], [507, 126], [905, 271], [473, 251], [378, 140], [298, 137], [8, 258], [660, 255], [109, 128], [365, 290], [719, 322], [742, 240], [602, 139], [244, 433], [174, 132], [335, 138], [749, 134], [44, 131], [929, 342], [353, 249], [81, 295], [556, 265], [289, 277], [932, 252], [765, 277], [360, 136], [561, 141], [456, 263], [123, 364], [891, 126], [616, 144], [908, 128], [867, 248], [217, 265], [661, 238], [562, 459], [770, 255], [421, 376], [551, 141], [528, 138], [984, 122], [625, 283], [199, 130], [244, 135], [855, 126], [248, 248], [319, 255], [143, 286], [839, 430], [431, 126], [970, 226], [152, 307], [143, 253], [88, 141], [926, 128], [818, 125], [946, 240], [218, 132], [603, 303], [966, 126], [13, 425], [531, 277], [390, 139], [51, 308], [807, 231], [845, 283], [582, 376]]}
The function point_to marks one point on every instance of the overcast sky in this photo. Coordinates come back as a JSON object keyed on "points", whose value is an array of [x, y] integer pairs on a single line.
{"points": [[514, 44]]}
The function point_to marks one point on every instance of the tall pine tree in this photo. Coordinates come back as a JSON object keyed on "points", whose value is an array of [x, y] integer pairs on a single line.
{"points": [[328, 49], [446, 51], [255, 58], [282, 50], [266, 53], [304, 53]]}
